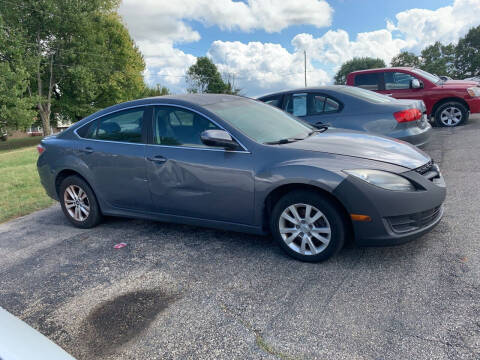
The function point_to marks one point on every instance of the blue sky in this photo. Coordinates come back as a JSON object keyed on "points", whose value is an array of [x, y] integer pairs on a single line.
{"points": [[261, 42]]}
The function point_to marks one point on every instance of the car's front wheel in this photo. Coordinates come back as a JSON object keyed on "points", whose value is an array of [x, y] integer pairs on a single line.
{"points": [[451, 114], [79, 203], [308, 226]]}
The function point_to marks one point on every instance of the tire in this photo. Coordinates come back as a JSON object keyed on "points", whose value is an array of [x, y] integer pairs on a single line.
{"points": [[330, 220], [75, 194], [451, 114]]}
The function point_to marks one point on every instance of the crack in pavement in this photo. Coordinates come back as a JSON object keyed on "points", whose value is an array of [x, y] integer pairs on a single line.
{"points": [[260, 341], [437, 341]]}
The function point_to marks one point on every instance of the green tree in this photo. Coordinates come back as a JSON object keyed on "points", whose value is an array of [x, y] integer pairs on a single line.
{"points": [[17, 108], [105, 68], [438, 59], [467, 54], [203, 77], [154, 91], [80, 47], [406, 58], [357, 64]]}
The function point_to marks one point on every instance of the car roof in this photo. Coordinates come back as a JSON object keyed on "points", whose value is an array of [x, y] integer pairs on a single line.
{"points": [[199, 99], [188, 100], [382, 69], [307, 89]]}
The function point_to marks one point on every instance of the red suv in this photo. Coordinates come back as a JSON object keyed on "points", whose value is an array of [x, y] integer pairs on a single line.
{"points": [[448, 102]]}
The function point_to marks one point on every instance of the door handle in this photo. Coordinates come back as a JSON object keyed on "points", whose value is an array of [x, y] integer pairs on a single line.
{"points": [[87, 150], [157, 159]]}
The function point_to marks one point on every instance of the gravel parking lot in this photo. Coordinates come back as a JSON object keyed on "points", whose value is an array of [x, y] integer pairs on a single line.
{"points": [[180, 292]]}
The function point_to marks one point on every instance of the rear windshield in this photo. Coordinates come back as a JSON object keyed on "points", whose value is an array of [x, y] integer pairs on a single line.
{"points": [[367, 95]]}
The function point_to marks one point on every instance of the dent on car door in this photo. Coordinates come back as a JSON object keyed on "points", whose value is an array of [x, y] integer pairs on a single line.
{"points": [[188, 178], [113, 149]]}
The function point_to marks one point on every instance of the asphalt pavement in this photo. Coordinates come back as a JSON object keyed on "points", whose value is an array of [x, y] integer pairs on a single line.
{"points": [[182, 292]]}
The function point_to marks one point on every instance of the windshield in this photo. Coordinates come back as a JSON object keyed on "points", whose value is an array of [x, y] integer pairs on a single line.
{"points": [[430, 77], [366, 95], [260, 122]]}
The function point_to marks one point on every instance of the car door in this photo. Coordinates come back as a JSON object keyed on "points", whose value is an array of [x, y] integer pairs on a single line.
{"points": [[113, 149], [323, 109], [296, 104], [398, 85], [188, 178]]}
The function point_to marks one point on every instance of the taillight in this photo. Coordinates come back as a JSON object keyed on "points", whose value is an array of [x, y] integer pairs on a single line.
{"points": [[40, 149], [408, 115]]}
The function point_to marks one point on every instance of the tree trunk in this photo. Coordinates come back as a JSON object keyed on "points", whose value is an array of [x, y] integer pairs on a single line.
{"points": [[44, 106]]}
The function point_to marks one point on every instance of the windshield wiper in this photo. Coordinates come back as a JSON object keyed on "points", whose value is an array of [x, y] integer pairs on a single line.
{"points": [[321, 127], [281, 141]]}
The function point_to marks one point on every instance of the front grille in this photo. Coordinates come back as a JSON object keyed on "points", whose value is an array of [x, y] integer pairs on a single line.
{"points": [[407, 223], [430, 171], [425, 168]]}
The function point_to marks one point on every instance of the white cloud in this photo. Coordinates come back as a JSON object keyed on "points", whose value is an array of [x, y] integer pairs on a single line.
{"points": [[335, 47], [423, 27], [165, 18], [263, 67], [158, 25]]}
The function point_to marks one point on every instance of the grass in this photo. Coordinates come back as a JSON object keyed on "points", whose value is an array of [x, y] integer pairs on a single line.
{"points": [[20, 190], [18, 143]]}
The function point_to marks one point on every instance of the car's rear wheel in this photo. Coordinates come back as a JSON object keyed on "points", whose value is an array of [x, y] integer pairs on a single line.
{"points": [[79, 203], [451, 114], [308, 226]]}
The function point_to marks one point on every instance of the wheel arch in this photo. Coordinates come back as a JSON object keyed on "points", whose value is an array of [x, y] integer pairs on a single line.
{"points": [[63, 174], [276, 194], [449, 99]]}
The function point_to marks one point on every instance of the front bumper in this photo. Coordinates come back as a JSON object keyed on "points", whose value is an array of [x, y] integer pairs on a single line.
{"points": [[473, 105], [396, 216]]}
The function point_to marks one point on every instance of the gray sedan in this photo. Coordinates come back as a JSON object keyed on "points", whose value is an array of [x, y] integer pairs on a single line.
{"points": [[354, 108], [235, 163]]}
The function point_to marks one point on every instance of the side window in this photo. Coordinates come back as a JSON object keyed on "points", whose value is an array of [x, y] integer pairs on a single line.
{"points": [[397, 80], [274, 101], [297, 104], [88, 131], [368, 81], [320, 104], [331, 105], [179, 127], [122, 126]]}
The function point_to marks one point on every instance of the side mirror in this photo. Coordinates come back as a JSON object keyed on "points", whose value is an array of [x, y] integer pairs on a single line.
{"points": [[218, 138], [416, 84]]}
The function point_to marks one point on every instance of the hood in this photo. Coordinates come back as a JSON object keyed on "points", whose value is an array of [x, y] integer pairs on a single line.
{"points": [[15, 335], [365, 146], [460, 83]]}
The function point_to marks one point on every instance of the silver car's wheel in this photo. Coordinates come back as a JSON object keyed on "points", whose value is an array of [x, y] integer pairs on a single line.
{"points": [[304, 229], [76, 203], [451, 116]]}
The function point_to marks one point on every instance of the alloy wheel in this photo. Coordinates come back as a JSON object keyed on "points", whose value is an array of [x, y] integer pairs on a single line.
{"points": [[451, 116], [305, 229], [76, 202]]}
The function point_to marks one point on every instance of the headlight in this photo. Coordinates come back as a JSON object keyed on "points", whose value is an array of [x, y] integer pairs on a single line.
{"points": [[383, 179], [474, 91]]}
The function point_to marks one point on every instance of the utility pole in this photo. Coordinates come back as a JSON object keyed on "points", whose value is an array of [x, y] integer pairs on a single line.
{"points": [[305, 65]]}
